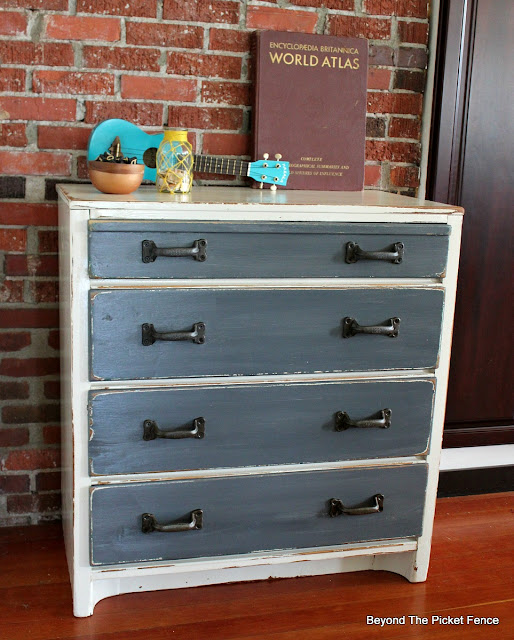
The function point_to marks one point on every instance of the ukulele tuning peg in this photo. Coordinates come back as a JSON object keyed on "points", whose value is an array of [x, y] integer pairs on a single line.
{"points": [[265, 156], [261, 185], [278, 156], [273, 187]]}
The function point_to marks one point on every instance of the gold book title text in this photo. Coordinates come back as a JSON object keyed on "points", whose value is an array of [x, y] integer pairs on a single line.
{"points": [[314, 166], [303, 55]]}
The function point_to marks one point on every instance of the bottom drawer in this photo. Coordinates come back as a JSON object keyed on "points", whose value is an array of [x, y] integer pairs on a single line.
{"points": [[235, 515]]}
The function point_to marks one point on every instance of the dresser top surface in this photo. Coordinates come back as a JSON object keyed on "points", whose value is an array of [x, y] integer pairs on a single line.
{"points": [[251, 200]]}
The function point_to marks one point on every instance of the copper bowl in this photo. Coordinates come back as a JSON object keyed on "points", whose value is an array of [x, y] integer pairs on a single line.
{"points": [[111, 177]]}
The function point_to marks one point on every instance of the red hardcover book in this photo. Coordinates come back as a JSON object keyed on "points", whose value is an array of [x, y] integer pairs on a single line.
{"points": [[310, 106]]}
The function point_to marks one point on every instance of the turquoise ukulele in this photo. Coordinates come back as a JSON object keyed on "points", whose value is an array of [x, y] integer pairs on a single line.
{"points": [[136, 143]]}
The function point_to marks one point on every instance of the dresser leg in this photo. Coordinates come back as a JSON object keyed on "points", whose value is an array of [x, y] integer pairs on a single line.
{"points": [[88, 594], [407, 565], [83, 603]]}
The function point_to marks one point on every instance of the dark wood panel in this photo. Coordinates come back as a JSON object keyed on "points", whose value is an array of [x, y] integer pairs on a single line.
{"points": [[465, 577], [466, 482], [473, 165], [477, 436]]}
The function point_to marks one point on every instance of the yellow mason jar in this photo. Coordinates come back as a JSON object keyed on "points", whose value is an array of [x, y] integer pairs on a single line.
{"points": [[174, 162]]}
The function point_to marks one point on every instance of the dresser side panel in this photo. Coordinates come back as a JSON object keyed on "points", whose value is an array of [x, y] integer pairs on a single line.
{"points": [[74, 331], [442, 373], [65, 295]]}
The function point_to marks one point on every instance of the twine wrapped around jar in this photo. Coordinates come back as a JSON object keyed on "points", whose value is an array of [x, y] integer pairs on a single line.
{"points": [[174, 163]]}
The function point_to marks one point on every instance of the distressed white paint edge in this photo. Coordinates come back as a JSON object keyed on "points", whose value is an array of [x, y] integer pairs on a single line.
{"points": [[75, 482], [428, 98], [294, 378], [419, 569], [261, 283], [394, 545], [227, 472], [486, 457], [307, 566], [288, 216], [65, 290], [299, 375], [244, 203]]}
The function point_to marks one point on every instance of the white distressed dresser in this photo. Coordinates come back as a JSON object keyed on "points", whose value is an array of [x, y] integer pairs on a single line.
{"points": [[254, 384]]}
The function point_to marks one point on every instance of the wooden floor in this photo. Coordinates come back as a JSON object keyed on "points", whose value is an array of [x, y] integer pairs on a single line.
{"points": [[471, 574]]}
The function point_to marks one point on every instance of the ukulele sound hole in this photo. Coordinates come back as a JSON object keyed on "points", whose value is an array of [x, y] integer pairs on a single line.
{"points": [[149, 157]]}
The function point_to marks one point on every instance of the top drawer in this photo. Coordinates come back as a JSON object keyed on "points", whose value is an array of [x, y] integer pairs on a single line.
{"points": [[123, 249]]}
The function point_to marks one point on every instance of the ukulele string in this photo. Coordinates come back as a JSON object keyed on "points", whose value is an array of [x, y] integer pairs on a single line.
{"points": [[137, 152], [239, 164]]}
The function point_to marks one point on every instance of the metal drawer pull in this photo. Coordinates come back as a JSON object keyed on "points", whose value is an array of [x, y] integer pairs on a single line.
{"points": [[149, 523], [150, 335], [337, 508], [381, 420], [151, 431], [351, 328], [151, 251], [354, 253]]}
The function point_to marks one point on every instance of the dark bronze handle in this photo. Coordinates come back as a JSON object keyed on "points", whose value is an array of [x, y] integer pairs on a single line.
{"points": [[382, 420], [337, 508], [151, 431], [149, 523], [151, 251], [354, 253], [150, 335], [351, 328]]}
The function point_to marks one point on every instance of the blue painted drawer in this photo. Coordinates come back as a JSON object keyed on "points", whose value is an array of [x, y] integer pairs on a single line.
{"points": [[254, 513], [253, 425], [273, 250], [252, 332]]}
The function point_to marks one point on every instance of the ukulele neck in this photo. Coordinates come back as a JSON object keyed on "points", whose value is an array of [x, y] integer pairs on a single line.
{"points": [[218, 165]]}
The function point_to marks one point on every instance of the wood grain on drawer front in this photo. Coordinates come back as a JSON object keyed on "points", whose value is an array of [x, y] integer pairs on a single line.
{"points": [[266, 250], [251, 332], [252, 425], [254, 513]]}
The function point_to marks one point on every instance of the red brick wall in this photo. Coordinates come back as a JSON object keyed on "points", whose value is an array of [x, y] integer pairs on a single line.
{"points": [[154, 62]]}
